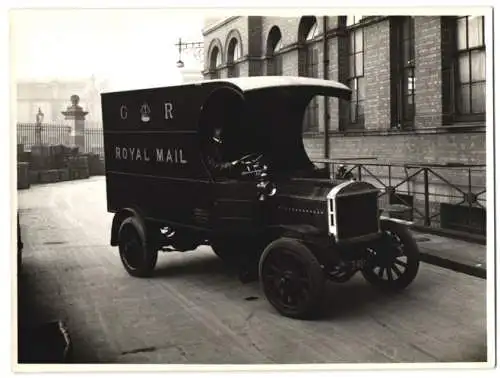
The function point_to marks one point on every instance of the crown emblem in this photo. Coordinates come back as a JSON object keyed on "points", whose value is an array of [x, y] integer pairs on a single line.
{"points": [[145, 113]]}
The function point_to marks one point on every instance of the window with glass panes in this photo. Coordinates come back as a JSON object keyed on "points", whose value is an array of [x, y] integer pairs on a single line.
{"points": [[352, 19], [471, 66], [356, 80], [404, 28], [311, 66], [234, 53]]}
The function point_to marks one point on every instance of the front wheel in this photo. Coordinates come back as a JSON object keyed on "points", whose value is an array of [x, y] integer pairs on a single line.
{"points": [[394, 262], [292, 278], [137, 256]]}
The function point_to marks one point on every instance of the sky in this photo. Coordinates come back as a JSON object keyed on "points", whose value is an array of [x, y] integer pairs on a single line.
{"points": [[129, 48]]}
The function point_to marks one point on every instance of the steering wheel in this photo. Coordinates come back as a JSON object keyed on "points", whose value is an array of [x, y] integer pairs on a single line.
{"points": [[251, 164], [250, 158]]}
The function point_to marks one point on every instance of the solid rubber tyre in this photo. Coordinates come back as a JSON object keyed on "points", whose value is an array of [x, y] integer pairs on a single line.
{"points": [[137, 256], [288, 268], [386, 261]]}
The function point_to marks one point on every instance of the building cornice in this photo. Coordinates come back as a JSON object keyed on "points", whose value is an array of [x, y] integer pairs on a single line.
{"points": [[218, 25]]}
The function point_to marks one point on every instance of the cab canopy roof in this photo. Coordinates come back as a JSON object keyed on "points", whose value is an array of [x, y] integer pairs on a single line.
{"points": [[255, 83], [259, 83]]}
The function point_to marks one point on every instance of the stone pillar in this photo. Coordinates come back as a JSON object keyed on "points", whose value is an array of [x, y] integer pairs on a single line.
{"points": [[76, 114]]}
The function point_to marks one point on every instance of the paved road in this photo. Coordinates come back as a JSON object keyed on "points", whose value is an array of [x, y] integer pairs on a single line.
{"points": [[195, 311]]}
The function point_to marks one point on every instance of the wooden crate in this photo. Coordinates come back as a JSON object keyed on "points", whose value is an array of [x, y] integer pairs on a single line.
{"points": [[79, 173], [49, 176], [63, 174], [23, 177], [34, 176]]}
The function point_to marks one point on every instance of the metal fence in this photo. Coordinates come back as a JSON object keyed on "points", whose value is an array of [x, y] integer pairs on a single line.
{"points": [[94, 141], [434, 196], [29, 134]]}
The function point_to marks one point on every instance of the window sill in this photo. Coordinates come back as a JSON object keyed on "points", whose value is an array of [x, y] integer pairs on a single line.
{"points": [[395, 132], [464, 126]]}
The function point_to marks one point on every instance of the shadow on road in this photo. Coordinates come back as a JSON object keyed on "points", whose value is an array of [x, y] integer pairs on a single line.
{"points": [[43, 336], [203, 266], [341, 300]]}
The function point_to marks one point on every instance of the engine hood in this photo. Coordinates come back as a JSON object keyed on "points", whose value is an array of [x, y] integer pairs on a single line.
{"points": [[302, 202], [306, 201], [307, 189]]}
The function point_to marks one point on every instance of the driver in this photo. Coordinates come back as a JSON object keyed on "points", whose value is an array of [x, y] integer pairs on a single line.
{"points": [[213, 153]]}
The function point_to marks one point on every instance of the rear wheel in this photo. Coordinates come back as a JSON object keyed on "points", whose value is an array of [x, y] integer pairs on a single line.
{"points": [[292, 278], [138, 257], [393, 264]]}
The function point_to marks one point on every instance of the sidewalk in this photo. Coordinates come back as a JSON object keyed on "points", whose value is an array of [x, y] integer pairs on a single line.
{"points": [[454, 254]]}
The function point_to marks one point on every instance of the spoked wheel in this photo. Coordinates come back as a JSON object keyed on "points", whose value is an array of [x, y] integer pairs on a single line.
{"points": [[292, 278], [138, 259], [393, 264]]}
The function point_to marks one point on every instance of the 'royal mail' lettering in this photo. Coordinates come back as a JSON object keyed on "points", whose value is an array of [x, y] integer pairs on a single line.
{"points": [[160, 155], [131, 153]]}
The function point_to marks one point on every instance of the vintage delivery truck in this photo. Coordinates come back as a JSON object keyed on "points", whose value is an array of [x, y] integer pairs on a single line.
{"points": [[272, 207]]}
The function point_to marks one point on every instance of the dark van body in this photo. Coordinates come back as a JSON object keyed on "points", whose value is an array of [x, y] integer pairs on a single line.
{"points": [[279, 213]]}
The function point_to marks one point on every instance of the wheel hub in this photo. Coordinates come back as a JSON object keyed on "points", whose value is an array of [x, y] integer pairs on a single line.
{"points": [[393, 249], [288, 283], [386, 261]]}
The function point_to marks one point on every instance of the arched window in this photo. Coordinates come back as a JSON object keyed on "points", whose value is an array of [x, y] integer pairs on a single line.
{"points": [[313, 32], [233, 54], [308, 65], [215, 61], [274, 45]]}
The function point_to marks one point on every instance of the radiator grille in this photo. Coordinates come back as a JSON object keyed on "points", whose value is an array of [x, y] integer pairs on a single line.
{"points": [[357, 215]]}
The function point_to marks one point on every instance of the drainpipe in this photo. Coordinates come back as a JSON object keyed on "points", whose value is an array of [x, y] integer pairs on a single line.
{"points": [[325, 76]]}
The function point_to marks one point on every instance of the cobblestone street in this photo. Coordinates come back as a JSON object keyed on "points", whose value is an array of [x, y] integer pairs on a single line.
{"points": [[195, 311]]}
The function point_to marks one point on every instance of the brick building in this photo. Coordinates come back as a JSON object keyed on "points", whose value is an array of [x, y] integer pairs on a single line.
{"points": [[418, 82], [419, 92]]}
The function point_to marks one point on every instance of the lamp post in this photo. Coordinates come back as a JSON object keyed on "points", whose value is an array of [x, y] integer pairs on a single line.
{"points": [[195, 47], [38, 127]]}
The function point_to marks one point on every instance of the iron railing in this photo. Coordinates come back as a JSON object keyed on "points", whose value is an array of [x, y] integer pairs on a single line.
{"points": [[450, 197], [29, 134], [94, 141]]}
